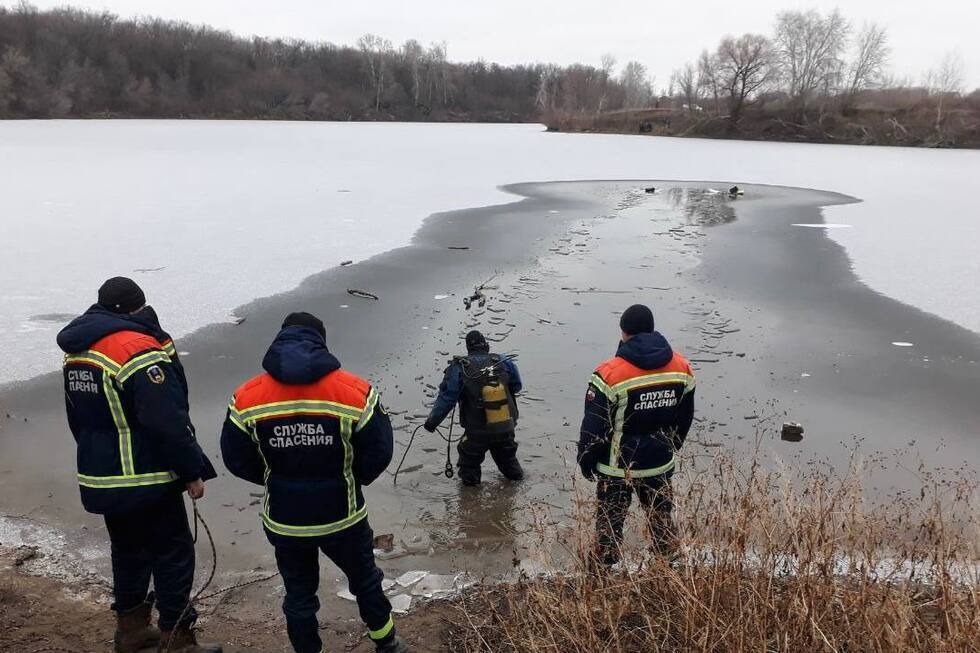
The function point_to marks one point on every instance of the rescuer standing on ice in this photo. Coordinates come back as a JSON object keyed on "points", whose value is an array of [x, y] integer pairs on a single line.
{"points": [[485, 385], [638, 410], [313, 434], [126, 397]]}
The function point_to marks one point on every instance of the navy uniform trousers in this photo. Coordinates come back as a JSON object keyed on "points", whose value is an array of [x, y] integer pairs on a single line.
{"points": [[352, 550], [614, 497], [154, 541]]}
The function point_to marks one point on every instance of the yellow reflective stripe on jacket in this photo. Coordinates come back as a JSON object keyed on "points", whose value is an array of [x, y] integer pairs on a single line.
{"points": [[313, 531], [619, 472], [602, 386], [122, 426], [309, 406], [346, 427], [139, 362], [619, 394], [658, 378], [93, 358], [236, 417], [369, 406], [126, 480], [169, 348], [382, 632]]}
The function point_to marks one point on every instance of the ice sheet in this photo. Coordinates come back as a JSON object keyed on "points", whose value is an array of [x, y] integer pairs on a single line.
{"points": [[210, 215]]}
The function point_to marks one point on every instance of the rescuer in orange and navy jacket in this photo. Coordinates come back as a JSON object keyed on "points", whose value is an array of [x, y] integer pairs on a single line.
{"points": [[313, 434], [127, 406], [638, 410]]}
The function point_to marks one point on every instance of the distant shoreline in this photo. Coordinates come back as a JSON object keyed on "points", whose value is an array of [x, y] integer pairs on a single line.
{"points": [[866, 128], [568, 125]]}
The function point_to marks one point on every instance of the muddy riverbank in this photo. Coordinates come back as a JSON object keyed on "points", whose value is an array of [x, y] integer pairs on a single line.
{"points": [[773, 319]]}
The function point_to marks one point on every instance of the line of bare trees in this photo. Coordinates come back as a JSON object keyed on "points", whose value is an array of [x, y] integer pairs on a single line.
{"points": [[73, 63], [814, 70], [816, 77]]}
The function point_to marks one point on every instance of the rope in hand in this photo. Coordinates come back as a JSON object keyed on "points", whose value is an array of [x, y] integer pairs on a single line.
{"points": [[448, 440]]}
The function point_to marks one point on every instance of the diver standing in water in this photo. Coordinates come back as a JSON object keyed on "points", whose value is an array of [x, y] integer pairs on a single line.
{"points": [[485, 386]]}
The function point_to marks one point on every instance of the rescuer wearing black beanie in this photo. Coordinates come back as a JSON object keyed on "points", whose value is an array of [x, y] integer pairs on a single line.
{"points": [[307, 320], [639, 408], [636, 319], [121, 295]]}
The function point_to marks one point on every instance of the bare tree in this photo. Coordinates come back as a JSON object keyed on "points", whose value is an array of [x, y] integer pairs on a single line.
{"points": [[810, 48], [414, 55], [867, 68], [744, 66], [636, 85], [376, 51], [607, 66], [708, 78], [687, 80], [944, 83]]}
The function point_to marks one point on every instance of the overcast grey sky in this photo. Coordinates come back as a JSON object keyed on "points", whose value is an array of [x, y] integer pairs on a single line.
{"points": [[661, 35]]}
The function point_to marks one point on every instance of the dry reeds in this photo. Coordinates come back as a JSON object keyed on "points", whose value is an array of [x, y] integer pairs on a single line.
{"points": [[772, 559]]}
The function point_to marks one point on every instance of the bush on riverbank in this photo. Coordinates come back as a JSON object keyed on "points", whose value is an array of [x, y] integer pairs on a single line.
{"points": [[789, 560]]}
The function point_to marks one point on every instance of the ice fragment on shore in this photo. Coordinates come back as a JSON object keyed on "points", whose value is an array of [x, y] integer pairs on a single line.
{"points": [[903, 344], [410, 578], [434, 584], [822, 225], [400, 603], [346, 595], [440, 296]]}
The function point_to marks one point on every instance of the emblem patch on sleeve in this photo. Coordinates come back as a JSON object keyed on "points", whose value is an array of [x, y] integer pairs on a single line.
{"points": [[155, 374], [590, 395]]}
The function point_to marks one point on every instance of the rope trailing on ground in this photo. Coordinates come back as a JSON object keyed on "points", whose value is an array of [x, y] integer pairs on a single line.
{"points": [[199, 596], [207, 583]]}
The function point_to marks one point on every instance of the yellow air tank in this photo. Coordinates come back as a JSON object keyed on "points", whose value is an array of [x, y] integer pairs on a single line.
{"points": [[495, 403]]}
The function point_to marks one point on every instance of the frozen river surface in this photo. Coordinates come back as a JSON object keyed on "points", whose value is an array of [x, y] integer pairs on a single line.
{"points": [[209, 215]]}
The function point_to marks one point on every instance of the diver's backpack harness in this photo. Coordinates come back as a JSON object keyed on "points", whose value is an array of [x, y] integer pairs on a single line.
{"points": [[488, 405]]}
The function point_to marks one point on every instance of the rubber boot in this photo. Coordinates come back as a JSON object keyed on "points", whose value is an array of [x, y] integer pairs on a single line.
{"points": [[183, 640], [396, 645], [134, 631]]}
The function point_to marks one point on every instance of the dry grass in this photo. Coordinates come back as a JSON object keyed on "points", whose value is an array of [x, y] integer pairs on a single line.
{"points": [[772, 560]]}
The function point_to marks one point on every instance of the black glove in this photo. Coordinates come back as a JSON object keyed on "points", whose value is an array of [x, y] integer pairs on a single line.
{"points": [[430, 425], [587, 465]]}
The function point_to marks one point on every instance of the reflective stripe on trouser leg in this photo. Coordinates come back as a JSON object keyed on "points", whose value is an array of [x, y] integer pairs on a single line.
{"points": [[382, 632], [352, 551]]}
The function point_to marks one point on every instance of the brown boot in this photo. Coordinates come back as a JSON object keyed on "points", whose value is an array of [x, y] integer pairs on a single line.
{"points": [[133, 629], [182, 640]]}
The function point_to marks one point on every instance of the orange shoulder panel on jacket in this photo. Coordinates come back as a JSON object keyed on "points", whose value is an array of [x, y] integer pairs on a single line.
{"points": [[346, 388], [250, 393], [616, 370], [123, 345], [612, 370], [678, 364], [338, 386]]}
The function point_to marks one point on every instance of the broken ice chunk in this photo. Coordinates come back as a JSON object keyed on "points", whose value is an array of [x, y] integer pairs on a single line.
{"points": [[400, 603], [410, 578]]}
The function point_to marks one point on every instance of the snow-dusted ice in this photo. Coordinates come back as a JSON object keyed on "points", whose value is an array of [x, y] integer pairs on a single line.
{"points": [[209, 215]]}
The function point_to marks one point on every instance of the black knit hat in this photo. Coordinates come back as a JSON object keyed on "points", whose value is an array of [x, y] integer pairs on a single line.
{"points": [[121, 295], [305, 320], [476, 342], [636, 319]]}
